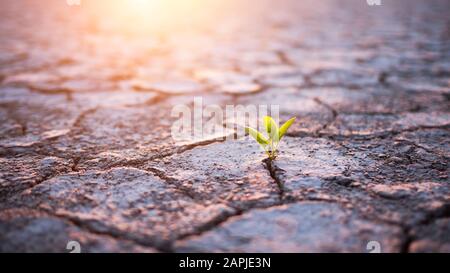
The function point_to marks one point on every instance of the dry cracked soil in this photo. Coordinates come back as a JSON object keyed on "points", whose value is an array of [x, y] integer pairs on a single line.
{"points": [[86, 152]]}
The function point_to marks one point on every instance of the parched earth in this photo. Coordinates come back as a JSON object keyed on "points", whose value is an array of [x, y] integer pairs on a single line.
{"points": [[86, 152]]}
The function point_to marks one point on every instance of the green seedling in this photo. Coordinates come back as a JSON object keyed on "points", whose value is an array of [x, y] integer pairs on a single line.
{"points": [[274, 135]]}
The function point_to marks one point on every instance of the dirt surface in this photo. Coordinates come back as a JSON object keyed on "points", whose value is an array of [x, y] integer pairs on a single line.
{"points": [[86, 152]]}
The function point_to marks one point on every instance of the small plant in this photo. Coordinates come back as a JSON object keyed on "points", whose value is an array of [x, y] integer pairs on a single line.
{"points": [[270, 143]]}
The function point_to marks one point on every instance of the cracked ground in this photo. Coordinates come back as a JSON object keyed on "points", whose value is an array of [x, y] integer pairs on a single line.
{"points": [[86, 152]]}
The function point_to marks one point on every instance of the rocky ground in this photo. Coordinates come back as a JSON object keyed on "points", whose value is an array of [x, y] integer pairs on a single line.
{"points": [[86, 153]]}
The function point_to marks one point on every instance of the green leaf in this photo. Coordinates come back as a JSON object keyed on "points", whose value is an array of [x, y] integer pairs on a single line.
{"points": [[285, 127], [257, 136], [271, 128]]}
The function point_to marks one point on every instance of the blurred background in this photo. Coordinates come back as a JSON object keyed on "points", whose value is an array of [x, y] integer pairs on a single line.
{"points": [[115, 41]]}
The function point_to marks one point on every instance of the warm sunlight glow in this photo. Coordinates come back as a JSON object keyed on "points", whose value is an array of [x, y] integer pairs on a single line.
{"points": [[161, 15]]}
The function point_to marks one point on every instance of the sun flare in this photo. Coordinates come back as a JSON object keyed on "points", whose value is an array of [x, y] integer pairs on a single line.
{"points": [[136, 15]]}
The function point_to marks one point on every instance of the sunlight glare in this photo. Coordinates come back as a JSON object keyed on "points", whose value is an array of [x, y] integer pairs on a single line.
{"points": [[136, 15]]}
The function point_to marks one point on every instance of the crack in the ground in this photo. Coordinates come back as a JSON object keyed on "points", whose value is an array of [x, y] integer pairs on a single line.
{"points": [[191, 146], [394, 132], [172, 181], [4, 197], [423, 148], [328, 106], [167, 245], [407, 240], [74, 166], [284, 58], [333, 111], [443, 212], [82, 116], [371, 113], [362, 137], [160, 245], [51, 91], [275, 173], [140, 162], [212, 224], [221, 219], [12, 114]]}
